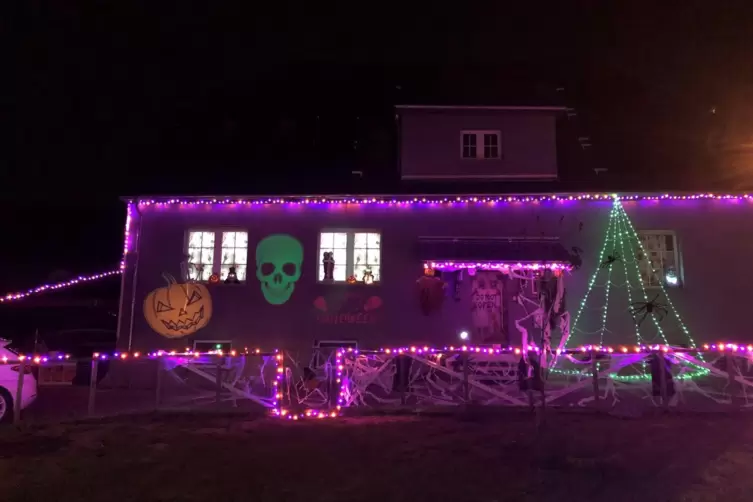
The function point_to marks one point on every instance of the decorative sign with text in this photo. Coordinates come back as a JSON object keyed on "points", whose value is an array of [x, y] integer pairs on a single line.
{"points": [[351, 308]]}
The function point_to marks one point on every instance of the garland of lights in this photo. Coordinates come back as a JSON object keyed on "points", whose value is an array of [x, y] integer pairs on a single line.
{"points": [[363, 200], [396, 200], [621, 229]]}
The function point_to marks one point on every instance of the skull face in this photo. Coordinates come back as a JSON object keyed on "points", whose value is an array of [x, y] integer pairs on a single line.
{"points": [[278, 267]]}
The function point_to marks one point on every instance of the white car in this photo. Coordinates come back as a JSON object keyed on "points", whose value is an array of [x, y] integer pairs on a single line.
{"points": [[9, 383]]}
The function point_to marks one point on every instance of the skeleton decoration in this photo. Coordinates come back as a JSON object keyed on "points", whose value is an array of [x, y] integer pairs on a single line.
{"points": [[178, 310], [328, 263], [278, 267]]}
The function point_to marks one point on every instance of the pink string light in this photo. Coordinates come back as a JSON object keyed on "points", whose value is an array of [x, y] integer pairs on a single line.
{"points": [[58, 285], [434, 200]]}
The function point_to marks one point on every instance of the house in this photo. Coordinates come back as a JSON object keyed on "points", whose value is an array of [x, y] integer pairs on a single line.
{"points": [[299, 272]]}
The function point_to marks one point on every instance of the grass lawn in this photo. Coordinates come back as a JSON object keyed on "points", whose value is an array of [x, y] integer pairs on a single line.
{"points": [[386, 459]]}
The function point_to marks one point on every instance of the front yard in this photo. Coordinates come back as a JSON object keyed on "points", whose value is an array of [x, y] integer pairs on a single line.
{"points": [[386, 459]]}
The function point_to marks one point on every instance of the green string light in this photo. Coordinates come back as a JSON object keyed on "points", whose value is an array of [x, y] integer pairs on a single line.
{"points": [[683, 327], [624, 221], [621, 229], [610, 236], [591, 283]]}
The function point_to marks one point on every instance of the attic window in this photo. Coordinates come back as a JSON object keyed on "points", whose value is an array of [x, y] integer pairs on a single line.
{"points": [[480, 144]]}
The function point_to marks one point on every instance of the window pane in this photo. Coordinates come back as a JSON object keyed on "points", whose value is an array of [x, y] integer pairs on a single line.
{"points": [[340, 256], [228, 239], [490, 140], [359, 257], [333, 240], [372, 257], [194, 239], [207, 240], [360, 241], [339, 273], [234, 253], [373, 240], [228, 256], [326, 241]]}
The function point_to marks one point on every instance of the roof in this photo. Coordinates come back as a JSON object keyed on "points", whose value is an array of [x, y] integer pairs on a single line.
{"points": [[492, 107], [469, 198], [503, 249]]}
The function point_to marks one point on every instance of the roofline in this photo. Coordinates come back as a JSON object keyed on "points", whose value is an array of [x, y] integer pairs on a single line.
{"points": [[499, 108], [434, 196]]}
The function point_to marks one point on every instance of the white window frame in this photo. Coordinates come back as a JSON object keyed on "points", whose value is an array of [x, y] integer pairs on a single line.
{"points": [[480, 146], [647, 259], [217, 261], [349, 252]]}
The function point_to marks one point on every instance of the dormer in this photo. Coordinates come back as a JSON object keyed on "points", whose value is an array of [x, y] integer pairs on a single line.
{"points": [[445, 143]]}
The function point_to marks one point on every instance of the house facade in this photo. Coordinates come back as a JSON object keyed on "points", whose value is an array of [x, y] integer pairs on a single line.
{"points": [[387, 271]]}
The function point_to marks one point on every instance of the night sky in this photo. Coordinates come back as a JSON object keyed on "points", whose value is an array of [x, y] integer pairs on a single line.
{"points": [[113, 98]]}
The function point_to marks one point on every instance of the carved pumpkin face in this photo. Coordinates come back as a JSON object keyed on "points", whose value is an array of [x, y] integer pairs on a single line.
{"points": [[178, 310]]}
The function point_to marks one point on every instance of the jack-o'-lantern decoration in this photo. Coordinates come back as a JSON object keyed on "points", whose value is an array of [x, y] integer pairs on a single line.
{"points": [[178, 310], [428, 271], [431, 293], [214, 279], [351, 279]]}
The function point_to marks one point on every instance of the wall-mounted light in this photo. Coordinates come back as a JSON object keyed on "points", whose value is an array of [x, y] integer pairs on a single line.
{"points": [[671, 278], [463, 335]]}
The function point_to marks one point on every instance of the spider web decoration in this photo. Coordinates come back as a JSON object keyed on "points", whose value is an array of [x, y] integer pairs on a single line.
{"points": [[651, 311]]}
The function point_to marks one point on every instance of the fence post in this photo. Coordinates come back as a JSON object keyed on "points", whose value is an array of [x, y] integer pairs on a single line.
{"points": [[19, 392], [595, 379], [218, 381], [158, 385], [662, 364], [466, 383], [731, 366], [93, 385]]}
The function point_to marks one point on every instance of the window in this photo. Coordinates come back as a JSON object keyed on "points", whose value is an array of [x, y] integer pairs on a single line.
{"points": [[661, 257], [355, 254], [481, 144], [211, 252]]}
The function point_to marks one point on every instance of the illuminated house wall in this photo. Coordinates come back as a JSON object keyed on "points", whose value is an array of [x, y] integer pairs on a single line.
{"points": [[712, 235], [431, 142]]}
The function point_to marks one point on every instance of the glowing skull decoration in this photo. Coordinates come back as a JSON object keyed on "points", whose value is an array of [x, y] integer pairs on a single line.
{"points": [[278, 267]]}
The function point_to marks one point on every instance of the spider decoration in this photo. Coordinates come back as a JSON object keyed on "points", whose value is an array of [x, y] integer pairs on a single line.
{"points": [[611, 259], [643, 309]]}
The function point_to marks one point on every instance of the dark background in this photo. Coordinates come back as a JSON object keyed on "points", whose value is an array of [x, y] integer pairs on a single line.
{"points": [[113, 98]]}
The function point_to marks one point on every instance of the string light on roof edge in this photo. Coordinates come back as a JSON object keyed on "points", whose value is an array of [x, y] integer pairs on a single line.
{"points": [[58, 285], [400, 201]]}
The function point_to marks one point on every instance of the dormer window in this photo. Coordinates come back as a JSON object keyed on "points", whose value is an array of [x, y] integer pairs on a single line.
{"points": [[480, 144]]}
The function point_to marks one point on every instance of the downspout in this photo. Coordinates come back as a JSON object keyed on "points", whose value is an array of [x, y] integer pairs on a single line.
{"points": [[123, 268], [134, 283]]}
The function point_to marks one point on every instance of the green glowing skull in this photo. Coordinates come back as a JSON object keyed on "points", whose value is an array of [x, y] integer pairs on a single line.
{"points": [[278, 266]]}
